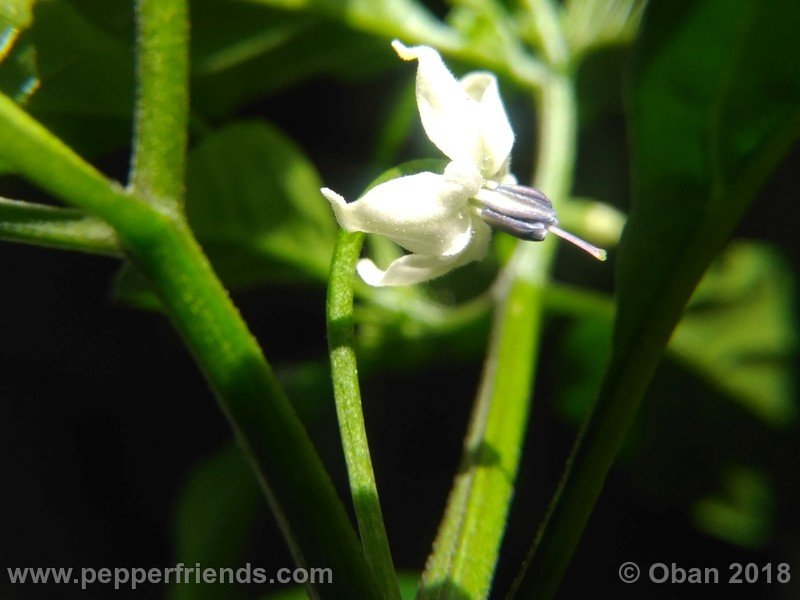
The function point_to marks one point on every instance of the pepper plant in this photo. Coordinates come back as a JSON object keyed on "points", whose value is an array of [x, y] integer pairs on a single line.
{"points": [[214, 203]]}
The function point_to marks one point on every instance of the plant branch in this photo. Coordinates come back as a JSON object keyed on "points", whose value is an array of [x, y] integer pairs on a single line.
{"points": [[468, 542], [299, 490], [344, 372], [412, 25], [64, 228], [46, 160], [162, 106]]}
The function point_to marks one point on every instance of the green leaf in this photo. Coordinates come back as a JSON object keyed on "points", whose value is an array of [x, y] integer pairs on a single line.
{"points": [[738, 332], [590, 24], [253, 200], [743, 513], [716, 106], [254, 203], [83, 70], [388, 18], [242, 50], [488, 28], [214, 519], [74, 77], [15, 13]]}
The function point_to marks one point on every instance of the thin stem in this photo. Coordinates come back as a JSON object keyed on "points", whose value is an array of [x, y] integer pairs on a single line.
{"points": [[297, 487], [468, 541], [299, 490], [43, 158], [546, 19], [422, 28], [344, 372], [64, 228], [159, 155]]}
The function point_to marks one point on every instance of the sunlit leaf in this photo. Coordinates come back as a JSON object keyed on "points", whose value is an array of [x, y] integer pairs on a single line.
{"points": [[387, 17], [738, 331], [742, 513], [712, 116], [589, 24], [15, 13], [253, 201], [713, 113]]}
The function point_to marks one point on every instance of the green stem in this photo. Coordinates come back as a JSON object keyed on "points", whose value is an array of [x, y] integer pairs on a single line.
{"points": [[311, 516], [159, 153], [467, 545], [299, 490], [64, 228], [43, 158], [553, 169], [546, 18], [419, 27], [344, 371]]}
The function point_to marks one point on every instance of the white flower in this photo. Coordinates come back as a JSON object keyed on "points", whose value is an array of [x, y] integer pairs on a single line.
{"points": [[442, 218]]}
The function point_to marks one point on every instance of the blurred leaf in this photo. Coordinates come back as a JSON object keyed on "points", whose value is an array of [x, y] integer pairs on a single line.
{"points": [[253, 201], [743, 513], [738, 331], [215, 515], [713, 114], [73, 76], [387, 18], [399, 120], [590, 24], [601, 84], [83, 70], [15, 13], [584, 354], [488, 28], [243, 50]]}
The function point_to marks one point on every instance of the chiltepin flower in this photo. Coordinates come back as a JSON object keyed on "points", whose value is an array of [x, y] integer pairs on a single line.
{"points": [[444, 220]]}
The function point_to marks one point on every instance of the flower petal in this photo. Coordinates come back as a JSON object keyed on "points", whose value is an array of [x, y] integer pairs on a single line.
{"points": [[496, 135], [424, 213], [406, 270], [416, 268], [465, 120]]}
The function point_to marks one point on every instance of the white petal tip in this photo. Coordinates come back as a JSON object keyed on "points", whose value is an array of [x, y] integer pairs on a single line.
{"points": [[340, 209], [403, 51], [370, 273], [332, 196]]}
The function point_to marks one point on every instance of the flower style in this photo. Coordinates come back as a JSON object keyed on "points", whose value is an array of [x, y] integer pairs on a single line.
{"points": [[443, 219]]}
